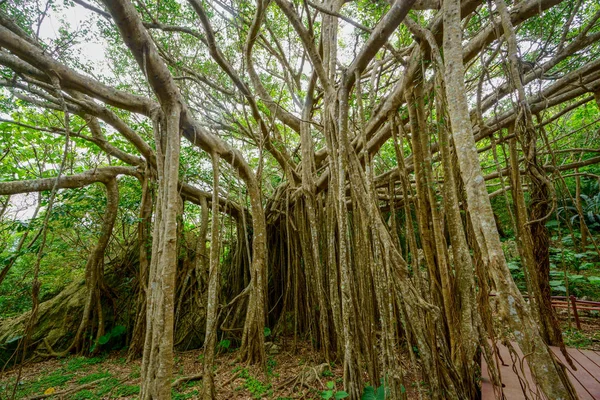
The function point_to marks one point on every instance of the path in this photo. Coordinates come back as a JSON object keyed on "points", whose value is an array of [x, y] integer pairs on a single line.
{"points": [[586, 378]]}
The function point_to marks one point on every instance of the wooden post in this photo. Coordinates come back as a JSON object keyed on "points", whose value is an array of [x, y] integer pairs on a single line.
{"points": [[574, 303]]}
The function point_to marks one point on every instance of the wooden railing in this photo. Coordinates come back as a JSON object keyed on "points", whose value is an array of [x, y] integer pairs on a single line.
{"points": [[573, 303]]}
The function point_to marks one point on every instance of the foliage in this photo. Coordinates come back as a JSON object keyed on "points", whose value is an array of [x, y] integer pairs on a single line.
{"points": [[590, 212], [271, 364], [254, 386], [80, 363], [55, 379], [331, 393], [127, 390], [575, 338], [224, 345], [114, 336], [94, 377]]}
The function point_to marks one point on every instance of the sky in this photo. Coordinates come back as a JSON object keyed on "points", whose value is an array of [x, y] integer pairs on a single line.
{"points": [[91, 50]]}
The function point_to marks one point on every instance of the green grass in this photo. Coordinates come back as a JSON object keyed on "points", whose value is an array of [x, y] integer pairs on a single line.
{"points": [[127, 390], [575, 338], [93, 377], [257, 388], [55, 379], [68, 373], [85, 395], [105, 387], [81, 363], [135, 373]]}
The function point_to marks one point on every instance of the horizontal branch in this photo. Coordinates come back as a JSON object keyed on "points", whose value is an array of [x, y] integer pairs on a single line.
{"points": [[86, 178]]}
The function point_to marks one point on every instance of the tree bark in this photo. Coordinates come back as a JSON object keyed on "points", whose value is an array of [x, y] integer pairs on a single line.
{"points": [[548, 372], [157, 363], [214, 286]]}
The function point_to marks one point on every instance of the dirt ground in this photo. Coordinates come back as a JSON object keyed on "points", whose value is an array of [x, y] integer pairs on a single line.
{"points": [[295, 373], [589, 335]]}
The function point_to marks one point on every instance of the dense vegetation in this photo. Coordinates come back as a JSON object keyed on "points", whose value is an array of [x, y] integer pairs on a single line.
{"points": [[401, 180]]}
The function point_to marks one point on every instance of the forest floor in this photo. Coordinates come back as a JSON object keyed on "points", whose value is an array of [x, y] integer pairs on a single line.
{"points": [[299, 373], [586, 338], [293, 374]]}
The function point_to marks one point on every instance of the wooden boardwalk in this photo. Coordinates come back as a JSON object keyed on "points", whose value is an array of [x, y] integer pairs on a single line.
{"points": [[586, 379]]}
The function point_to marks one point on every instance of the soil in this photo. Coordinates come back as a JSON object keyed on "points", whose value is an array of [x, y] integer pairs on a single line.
{"points": [[292, 373], [588, 337]]}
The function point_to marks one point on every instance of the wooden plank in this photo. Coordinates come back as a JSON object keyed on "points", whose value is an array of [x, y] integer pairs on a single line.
{"points": [[588, 373], [512, 387], [594, 356], [579, 378], [487, 388], [586, 364], [586, 380]]}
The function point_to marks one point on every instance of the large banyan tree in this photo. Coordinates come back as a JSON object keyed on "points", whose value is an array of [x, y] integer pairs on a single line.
{"points": [[322, 168]]}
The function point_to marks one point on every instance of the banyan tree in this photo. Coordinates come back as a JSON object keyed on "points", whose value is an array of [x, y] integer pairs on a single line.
{"points": [[326, 169]]}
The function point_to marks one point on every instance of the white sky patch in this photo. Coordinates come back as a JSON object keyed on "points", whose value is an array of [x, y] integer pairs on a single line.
{"points": [[22, 206], [90, 51]]}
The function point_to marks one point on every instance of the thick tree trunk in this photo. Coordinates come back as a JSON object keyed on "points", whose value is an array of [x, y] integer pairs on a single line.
{"points": [[157, 363], [548, 372], [253, 338], [533, 233]]}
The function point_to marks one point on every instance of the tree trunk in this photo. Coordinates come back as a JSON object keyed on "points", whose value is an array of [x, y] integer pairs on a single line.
{"points": [[157, 363], [144, 242], [548, 372], [253, 339], [214, 277]]}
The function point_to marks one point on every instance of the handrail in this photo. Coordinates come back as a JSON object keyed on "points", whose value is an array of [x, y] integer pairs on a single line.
{"points": [[571, 302]]}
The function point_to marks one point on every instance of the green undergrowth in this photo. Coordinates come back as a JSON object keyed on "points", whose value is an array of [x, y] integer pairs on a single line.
{"points": [[572, 272], [70, 373], [56, 379], [97, 378], [257, 388], [576, 338]]}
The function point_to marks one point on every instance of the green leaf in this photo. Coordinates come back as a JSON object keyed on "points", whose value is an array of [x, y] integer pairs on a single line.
{"points": [[104, 339], [576, 278], [560, 289], [380, 393], [14, 339], [330, 385], [118, 330], [327, 394], [267, 331], [555, 283], [513, 266], [341, 395], [586, 265], [594, 279], [368, 393]]}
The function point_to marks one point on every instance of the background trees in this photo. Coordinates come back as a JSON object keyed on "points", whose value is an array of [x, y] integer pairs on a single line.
{"points": [[364, 152]]}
